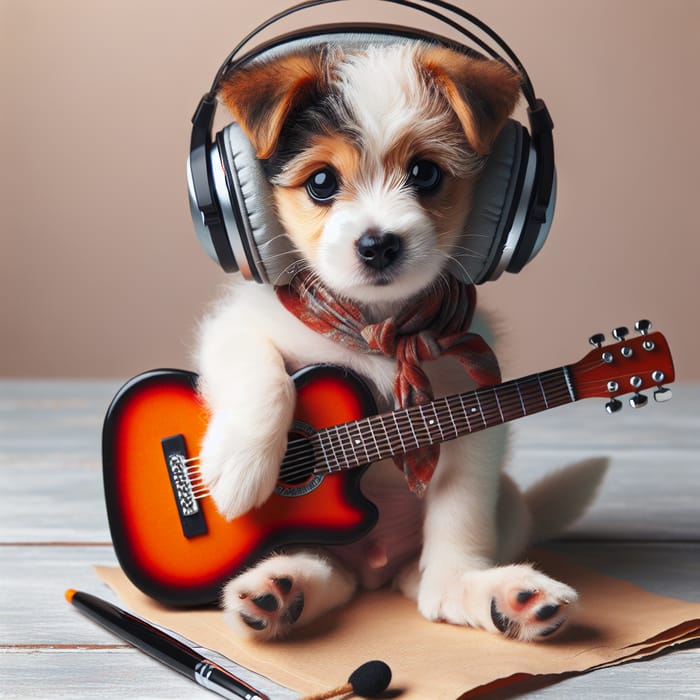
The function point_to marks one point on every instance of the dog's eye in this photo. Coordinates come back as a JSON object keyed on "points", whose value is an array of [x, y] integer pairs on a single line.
{"points": [[322, 186], [425, 176]]}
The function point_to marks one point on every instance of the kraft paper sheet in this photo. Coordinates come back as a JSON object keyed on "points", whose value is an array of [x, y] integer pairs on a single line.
{"points": [[617, 622]]}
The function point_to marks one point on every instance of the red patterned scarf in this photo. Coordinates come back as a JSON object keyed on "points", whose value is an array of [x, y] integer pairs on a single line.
{"points": [[436, 324]]}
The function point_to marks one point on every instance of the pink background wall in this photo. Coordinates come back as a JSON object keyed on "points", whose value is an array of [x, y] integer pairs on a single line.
{"points": [[100, 270]]}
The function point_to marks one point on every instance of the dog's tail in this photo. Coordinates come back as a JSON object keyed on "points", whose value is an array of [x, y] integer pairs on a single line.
{"points": [[561, 498]]}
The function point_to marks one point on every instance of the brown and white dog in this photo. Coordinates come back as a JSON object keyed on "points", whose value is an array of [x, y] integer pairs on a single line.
{"points": [[373, 155]]}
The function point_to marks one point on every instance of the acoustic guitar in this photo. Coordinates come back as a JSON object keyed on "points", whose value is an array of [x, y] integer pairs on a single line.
{"points": [[175, 546]]}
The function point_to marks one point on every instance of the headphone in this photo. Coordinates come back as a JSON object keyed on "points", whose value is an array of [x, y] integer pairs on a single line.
{"points": [[230, 197]]}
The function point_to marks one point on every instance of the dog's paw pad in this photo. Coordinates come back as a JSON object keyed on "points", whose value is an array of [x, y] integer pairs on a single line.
{"points": [[271, 609], [255, 623], [284, 584], [532, 613], [294, 609], [266, 602]]}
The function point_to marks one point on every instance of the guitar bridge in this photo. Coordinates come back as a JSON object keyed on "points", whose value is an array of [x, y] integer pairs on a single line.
{"points": [[191, 516]]}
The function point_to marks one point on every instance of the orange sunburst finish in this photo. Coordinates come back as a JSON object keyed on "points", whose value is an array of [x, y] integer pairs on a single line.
{"points": [[143, 515]]}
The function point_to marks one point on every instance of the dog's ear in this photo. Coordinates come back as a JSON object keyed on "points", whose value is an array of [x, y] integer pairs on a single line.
{"points": [[261, 96], [483, 93]]}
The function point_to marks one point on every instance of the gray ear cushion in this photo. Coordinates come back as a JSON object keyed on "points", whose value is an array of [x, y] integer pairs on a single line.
{"points": [[267, 246], [482, 239]]}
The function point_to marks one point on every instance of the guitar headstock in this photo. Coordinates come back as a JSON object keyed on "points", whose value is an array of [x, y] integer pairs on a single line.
{"points": [[631, 364]]}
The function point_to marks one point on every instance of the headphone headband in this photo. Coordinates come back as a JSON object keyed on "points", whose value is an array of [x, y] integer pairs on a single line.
{"points": [[527, 87]]}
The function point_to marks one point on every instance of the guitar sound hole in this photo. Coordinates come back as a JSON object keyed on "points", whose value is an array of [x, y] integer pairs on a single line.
{"points": [[298, 463]]}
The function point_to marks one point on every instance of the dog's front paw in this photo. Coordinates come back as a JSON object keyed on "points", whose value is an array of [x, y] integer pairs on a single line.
{"points": [[529, 605], [264, 605], [284, 592], [239, 464]]}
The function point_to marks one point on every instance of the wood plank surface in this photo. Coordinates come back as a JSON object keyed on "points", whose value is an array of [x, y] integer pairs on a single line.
{"points": [[644, 527]]}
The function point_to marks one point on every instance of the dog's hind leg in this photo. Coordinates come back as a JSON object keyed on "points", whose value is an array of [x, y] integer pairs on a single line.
{"points": [[284, 592], [459, 579]]}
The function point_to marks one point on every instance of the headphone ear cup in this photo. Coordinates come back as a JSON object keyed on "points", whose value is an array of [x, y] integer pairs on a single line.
{"points": [[262, 249], [480, 252]]}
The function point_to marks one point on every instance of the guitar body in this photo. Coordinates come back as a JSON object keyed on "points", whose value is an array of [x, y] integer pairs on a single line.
{"points": [[179, 549]]}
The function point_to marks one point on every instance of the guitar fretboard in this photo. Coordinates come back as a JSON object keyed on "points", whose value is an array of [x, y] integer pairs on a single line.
{"points": [[371, 439]]}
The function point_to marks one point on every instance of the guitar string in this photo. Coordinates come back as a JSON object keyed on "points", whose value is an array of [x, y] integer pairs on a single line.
{"points": [[446, 409], [290, 467], [339, 444], [385, 447], [443, 408], [343, 445], [452, 398]]}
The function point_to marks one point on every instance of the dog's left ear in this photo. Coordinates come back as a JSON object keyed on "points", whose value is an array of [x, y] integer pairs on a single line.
{"points": [[483, 93], [261, 96]]}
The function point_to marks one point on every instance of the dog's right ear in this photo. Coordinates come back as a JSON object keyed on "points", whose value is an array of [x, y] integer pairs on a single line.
{"points": [[261, 96]]}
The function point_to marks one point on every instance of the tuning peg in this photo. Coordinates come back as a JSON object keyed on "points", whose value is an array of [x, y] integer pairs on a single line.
{"points": [[598, 339], [642, 326], [613, 406], [638, 400], [620, 333], [663, 394]]}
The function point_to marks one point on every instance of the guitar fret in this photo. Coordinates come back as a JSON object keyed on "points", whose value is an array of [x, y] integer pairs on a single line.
{"points": [[559, 389], [465, 412], [437, 420], [390, 444], [474, 410], [399, 432], [531, 391], [481, 410], [520, 396], [359, 440], [425, 423], [325, 454], [511, 402], [498, 403], [356, 460], [336, 449], [341, 443], [407, 415], [544, 396], [452, 417], [377, 453]]}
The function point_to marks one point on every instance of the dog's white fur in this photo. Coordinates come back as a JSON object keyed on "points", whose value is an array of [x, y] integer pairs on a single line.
{"points": [[474, 519]]}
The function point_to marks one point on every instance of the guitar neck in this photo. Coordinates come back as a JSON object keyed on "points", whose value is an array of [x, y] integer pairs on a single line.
{"points": [[377, 437]]}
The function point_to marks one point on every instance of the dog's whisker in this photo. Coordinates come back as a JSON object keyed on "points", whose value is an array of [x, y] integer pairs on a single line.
{"points": [[297, 266], [468, 252], [467, 275], [457, 246]]}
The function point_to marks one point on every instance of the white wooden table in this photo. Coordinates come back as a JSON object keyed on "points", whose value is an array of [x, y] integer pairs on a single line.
{"points": [[644, 527]]}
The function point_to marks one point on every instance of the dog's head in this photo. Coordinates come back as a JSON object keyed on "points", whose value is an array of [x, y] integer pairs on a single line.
{"points": [[373, 156]]}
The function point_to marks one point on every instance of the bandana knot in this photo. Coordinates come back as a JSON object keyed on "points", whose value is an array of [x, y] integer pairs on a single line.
{"points": [[435, 324]]}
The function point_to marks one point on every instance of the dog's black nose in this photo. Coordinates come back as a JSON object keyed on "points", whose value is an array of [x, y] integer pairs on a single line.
{"points": [[378, 250]]}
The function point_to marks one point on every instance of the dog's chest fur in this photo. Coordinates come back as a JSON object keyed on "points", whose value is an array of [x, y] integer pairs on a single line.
{"points": [[396, 537]]}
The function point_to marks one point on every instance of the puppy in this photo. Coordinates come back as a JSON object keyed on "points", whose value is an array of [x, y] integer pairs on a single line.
{"points": [[373, 155]]}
